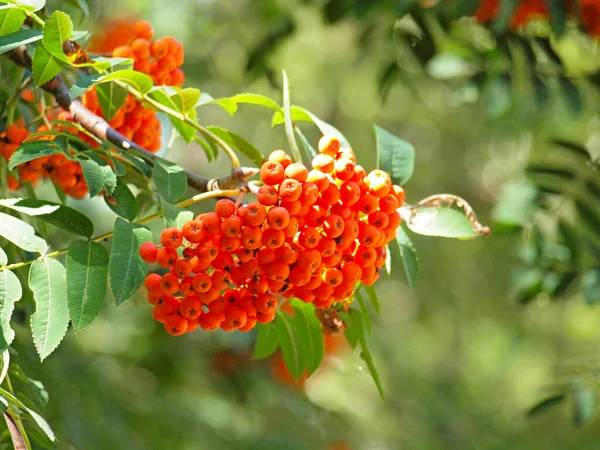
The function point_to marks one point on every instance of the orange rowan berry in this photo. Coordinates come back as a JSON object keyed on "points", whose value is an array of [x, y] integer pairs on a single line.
{"points": [[258, 286], [309, 260], [16, 134], [349, 193], [13, 183], [281, 157], [211, 320], [169, 283], [166, 257], [244, 254], [159, 48], [153, 296], [220, 279], [193, 231], [152, 282], [273, 238], [235, 317], [395, 220], [333, 276], [388, 204], [255, 214], [292, 227], [266, 256], [186, 287], [211, 222], [251, 237], [288, 253], [290, 190], [272, 173], [225, 208], [365, 256], [143, 30], [299, 276], [193, 325], [142, 65], [333, 226], [351, 272], [320, 179], [149, 252], [329, 145], [331, 195], [379, 219], [171, 238], [277, 271], [191, 308], [267, 195], [224, 260], [124, 51], [232, 226], [177, 76], [141, 48], [250, 324], [278, 218], [346, 153], [265, 304], [323, 163], [293, 208], [297, 172], [368, 235], [309, 238], [344, 169], [229, 243], [156, 314], [400, 194], [182, 268], [367, 204], [207, 253]]}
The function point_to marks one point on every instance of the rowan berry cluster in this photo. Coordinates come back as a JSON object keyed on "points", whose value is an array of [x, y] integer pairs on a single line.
{"points": [[161, 59], [313, 235]]}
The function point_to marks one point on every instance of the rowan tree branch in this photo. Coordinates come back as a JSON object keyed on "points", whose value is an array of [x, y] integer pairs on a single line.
{"points": [[103, 131]]}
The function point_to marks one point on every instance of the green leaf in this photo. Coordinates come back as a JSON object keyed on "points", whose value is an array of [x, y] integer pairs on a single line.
{"points": [[394, 156], [111, 98], [545, 405], [572, 95], [169, 179], [139, 81], [240, 144], [21, 234], [174, 216], [267, 341], [186, 99], [576, 149], [310, 334], [588, 215], [10, 292], [23, 37], [39, 420], [28, 5], [287, 118], [517, 205], [498, 95], [93, 175], [409, 257], [11, 20], [87, 269], [126, 268], [3, 258], [109, 178], [441, 222], [82, 5], [325, 127], [590, 286], [558, 16], [45, 66], [49, 323], [122, 201], [447, 66], [28, 151], [365, 311], [507, 10], [287, 335], [310, 152], [355, 322], [584, 404], [61, 216], [57, 30], [164, 96], [230, 104], [373, 297]]}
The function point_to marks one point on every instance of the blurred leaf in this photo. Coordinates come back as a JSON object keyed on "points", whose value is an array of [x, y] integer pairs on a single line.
{"points": [[230, 104], [258, 56], [588, 215], [387, 77], [363, 308], [545, 405], [45, 66], [137, 80], [61, 216], [584, 404], [546, 47], [310, 334], [10, 292], [540, 91], [240, 144], [28, 5], [537, 169], [57, 30], [49, 323], [528, 284], [373, 297], [517, 205], [447, 66], [122, 201], [28, 151], [267, 341], [39, 420], [23, 37], [288, 337], [409, 256], [11, 20], [169, 179], [498, 95], [301, 114], [174, 216], [576, 149], [590, 285], [569, 238], [572, 95], [507, 10], [558, 16], [82, 5], [21, 234], [441, 222], [3, 258], [111, 98], [162, 95], [87, 271], [394, 156], [126, 268]]}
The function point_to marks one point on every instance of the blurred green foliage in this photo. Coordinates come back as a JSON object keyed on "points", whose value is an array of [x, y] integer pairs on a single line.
{"points": [[462, 361]]}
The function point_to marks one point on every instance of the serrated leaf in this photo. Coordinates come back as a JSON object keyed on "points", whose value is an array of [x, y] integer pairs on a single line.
{"points": [[108, 174], [287, 335], [111, 98], [126, 268], [23, 37], [122, 201], [139, 81], [365, 311], [230, 104], [169, 179], [49, 323], [545, 405], [441, 222], [45, 66], [11, 20], [186, 99], [61, 216], [373, 297], [409, 257], [39, 420], [21, 234], [584, 404], [310, 334], [93, 175], [87, 271], [174, 216], [394, 156], [57, 29], [355, 322], [28, 151], [267, 341], [10, 292], [240, 144]]}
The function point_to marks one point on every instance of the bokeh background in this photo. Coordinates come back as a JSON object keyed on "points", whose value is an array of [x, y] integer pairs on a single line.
{"points": [[461, 360]]}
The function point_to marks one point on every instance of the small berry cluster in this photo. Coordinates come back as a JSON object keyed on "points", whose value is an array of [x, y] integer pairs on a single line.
{"points": [[161, 59], [312, 235]]}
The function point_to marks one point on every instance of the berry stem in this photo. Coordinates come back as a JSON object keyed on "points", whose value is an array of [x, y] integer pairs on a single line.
{"points": [[190, 201]]}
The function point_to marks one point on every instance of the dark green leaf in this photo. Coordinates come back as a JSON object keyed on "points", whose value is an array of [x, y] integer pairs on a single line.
{"points": [[48, 281], [394, 156], [31, 150], [22, 37], [240, 144], [94, 176], [569, 238], [122, 201], [365, 311], [174, 216], [111, 98], [545, 405], [577, 150], [546, 47], [11, 20], [442, 222], [584, 404], [126, 268], [267, 341], [169, 179], [61, 216], [588, 215], [39, 420], [87, 269], [310, 334], [108, 175], [409, 257], [558, 16], [572, 95], [373, 297], [540, 91], [10, 292], [507, 10], [21, 234], [45, 66], [528, 284], [590, 285], [287, 335]]}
